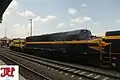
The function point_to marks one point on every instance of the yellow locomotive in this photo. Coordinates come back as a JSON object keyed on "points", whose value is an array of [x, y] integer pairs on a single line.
{"points": [[17, 44]]}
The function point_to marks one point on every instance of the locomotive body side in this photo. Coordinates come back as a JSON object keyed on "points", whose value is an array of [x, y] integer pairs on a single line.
{"points": [[73, 44], [66, 41]]}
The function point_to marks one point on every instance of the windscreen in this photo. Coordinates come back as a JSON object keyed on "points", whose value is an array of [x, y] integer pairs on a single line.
{"points": [[84, 34]]}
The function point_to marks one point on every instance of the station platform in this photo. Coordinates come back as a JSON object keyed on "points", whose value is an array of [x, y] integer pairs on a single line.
{"points": [[20, 77]]}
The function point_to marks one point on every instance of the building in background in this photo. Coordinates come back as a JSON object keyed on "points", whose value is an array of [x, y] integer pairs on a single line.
{"points": [[4, 42]]}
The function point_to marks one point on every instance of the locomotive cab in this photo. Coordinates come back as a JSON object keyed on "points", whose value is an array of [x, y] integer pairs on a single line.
{"points": [[84, 35], [113, 37]]}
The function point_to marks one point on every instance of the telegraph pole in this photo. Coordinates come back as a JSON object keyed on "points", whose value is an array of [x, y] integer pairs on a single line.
{"points": [[30, 27]]}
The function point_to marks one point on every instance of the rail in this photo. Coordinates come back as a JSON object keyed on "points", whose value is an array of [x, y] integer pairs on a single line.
{"points": [[29, 69], [89, 74]]}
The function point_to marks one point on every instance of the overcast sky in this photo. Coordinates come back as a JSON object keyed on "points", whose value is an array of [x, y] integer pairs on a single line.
{"points": [[60, 15]]}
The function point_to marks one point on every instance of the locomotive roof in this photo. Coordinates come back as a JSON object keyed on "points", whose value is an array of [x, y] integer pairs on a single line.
{"points": [[3, 6], [113, 33], [73, 32], [18, 39]]}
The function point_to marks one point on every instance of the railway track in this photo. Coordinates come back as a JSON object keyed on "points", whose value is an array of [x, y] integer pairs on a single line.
{"points": [[68, 69], [38, 75]]}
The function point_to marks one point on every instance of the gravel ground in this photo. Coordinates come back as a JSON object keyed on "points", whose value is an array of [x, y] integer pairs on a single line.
{"points": [[49, 72]]}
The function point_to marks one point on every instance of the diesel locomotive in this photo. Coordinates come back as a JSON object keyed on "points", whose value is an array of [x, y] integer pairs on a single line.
{"points": [[70, 41], [79, 45], [17, 44]]}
